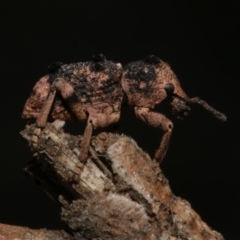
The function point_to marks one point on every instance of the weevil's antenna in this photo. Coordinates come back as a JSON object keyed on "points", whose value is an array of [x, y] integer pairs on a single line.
{"points": [[210, 109]]}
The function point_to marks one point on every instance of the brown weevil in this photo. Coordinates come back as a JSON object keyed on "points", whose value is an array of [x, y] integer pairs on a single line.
{"points": [[93, 92]]}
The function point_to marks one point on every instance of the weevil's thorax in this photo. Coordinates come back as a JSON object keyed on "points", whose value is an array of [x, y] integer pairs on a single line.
{"points": [[144, 81]]}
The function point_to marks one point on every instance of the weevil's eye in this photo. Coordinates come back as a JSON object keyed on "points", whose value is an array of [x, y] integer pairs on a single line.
{"points": [[169, 88]]}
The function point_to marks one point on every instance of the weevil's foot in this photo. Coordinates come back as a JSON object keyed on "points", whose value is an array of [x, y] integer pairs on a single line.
{"points": [[83, 156]]}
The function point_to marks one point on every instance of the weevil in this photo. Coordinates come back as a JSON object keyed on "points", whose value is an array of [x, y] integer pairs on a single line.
{"points": [[93, 92]]}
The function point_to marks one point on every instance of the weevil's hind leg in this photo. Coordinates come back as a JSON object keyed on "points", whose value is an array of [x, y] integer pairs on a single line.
{"points": [[157, 120], [43, 116]]}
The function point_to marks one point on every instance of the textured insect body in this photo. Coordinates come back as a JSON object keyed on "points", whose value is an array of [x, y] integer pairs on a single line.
{"points": [[93, 83], [93, 92]]}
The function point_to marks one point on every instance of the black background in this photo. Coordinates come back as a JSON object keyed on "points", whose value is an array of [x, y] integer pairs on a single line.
{"points": [[199, 39]]}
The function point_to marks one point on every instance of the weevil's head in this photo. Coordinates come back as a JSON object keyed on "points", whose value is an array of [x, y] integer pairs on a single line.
{"points": [[178, 98], [168, 85], [181, 103]]}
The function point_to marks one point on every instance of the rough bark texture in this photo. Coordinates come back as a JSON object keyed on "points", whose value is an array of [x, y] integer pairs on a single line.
{"points": [[8, 232], [118, 193]]}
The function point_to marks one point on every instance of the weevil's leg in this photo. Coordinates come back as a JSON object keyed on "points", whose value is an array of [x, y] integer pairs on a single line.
{"points": [[70, 98], [85, 144], [42, 118], [96, 120], [157, 120]]}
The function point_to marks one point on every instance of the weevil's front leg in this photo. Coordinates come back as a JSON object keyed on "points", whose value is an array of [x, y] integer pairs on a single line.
{"points": [[157, 120]]}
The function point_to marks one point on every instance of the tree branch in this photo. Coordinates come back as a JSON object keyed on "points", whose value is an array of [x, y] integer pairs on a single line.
{"points": [[118, 193]]}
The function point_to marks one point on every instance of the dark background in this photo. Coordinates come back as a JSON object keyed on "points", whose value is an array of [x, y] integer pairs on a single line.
{"points": [[199, 39]]}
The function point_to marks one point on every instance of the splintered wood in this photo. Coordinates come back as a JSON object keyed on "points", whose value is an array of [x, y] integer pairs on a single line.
{"points": [[117, 193]]}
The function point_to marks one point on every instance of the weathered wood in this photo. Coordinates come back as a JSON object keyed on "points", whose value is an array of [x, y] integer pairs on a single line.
{"points": [[117, 193], [9, 232]]}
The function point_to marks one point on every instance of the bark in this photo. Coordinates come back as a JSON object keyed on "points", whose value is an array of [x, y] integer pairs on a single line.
{"points": [[8, 232], [119, 192]]}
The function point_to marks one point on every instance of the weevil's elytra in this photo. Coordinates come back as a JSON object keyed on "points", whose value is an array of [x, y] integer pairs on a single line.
{"points": [[93, 92], [92, 86], [93, 82]]}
